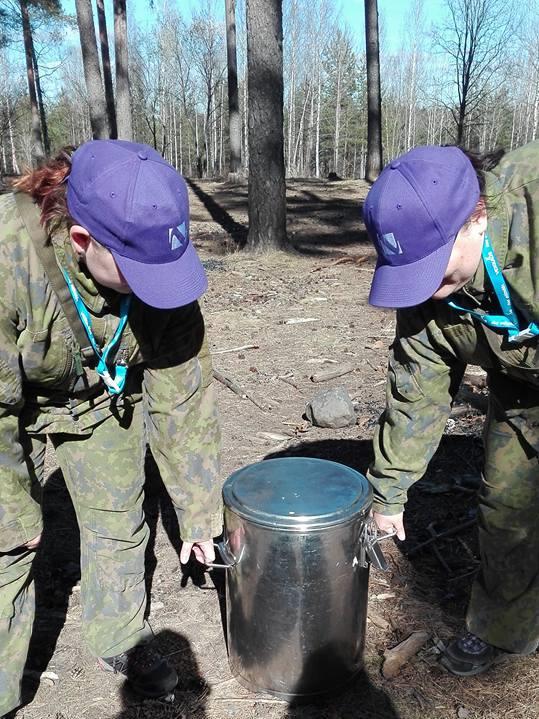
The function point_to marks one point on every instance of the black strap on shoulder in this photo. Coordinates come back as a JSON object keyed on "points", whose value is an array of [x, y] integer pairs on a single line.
{"points": [[45, 252]]}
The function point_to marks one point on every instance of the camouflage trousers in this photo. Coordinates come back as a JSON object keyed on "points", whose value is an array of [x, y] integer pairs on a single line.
{"points": [[104, 473], [504, 604]]}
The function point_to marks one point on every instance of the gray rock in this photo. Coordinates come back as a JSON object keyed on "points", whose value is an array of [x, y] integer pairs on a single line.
{"points": [[331, 408]]}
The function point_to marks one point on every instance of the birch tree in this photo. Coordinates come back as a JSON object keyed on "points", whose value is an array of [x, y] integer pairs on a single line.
{"points": [[476, 37]]}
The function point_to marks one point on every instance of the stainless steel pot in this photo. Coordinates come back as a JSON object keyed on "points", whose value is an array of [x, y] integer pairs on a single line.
{"points": [[297, 546]]}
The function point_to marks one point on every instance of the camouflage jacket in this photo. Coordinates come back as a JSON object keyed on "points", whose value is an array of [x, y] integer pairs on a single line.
{"points": [[41, 391], [434, 343]]}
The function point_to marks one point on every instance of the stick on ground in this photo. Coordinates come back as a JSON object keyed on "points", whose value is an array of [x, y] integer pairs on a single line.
{"points": [[237, 389]]}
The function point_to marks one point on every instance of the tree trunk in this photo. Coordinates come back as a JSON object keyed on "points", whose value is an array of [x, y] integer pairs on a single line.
{"points": [[291, 121], [234, 122], [337, 134], [107, 73], [221, 143], [267, 190], [37, 152], [173, 108], [245, 122], [374, 105], [318, 107], [197, 148], [92, 73], [310, 132], [123, 95], [40, 104], [14, 165]]}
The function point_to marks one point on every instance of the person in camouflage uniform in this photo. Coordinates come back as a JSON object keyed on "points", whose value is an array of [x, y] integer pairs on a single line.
{"points": [[457, 240], [117, 219]]}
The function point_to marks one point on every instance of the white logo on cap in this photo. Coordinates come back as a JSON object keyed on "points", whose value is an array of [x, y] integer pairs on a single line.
{"points": [[389, 244], [177, 236]]}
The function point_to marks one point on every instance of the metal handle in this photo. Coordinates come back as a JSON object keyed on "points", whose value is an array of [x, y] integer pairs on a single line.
{"points": [[370, 541], [226, 554]]}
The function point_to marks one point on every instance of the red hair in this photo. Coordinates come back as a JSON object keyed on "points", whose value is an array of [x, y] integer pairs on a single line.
{"points": [[47, 186]]}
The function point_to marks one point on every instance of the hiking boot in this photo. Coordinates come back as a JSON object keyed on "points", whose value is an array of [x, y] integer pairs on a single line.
{"points": [[468, 655], [147, 671]]}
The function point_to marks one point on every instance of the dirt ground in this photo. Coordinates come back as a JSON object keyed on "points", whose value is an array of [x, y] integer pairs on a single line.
{"points": [[252, 301]]}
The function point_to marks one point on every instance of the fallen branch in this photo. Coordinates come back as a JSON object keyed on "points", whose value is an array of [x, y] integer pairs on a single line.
{"points": [[333, 373], [356, 259], [238, 389], [440, 535], [299, 320], [235, 349], [395, 658], [288, 381]]}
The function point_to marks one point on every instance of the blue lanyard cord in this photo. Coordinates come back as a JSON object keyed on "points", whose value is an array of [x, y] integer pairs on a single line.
{"points": [[508, 320], [116, 383]]}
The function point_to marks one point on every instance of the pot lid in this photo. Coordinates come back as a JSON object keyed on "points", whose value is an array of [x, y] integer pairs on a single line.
{"points": [[297, 492]]}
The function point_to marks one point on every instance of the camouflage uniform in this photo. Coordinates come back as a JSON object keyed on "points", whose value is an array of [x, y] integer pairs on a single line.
{"points": [[100, 443], [433, 345]]}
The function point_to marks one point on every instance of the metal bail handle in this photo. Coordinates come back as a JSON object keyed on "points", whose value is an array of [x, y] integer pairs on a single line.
{"points": [[371, 542], [226, 554]]}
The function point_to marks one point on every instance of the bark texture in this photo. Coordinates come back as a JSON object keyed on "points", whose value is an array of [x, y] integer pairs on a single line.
{"points": [[92, 72], [267, 191], [374, 103], [38, 153], [234, 121], [123, 95], [107, 72]]}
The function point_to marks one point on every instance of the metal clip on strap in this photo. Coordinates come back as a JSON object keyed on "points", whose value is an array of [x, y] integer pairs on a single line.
{"points": [[371, 543], [226, 554]]}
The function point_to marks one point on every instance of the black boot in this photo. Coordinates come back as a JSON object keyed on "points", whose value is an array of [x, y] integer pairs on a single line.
{"points": [[469, 655]]}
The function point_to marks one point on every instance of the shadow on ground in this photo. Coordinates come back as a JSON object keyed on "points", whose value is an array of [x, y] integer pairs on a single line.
{"points": [[317, 224], [190, 696]]}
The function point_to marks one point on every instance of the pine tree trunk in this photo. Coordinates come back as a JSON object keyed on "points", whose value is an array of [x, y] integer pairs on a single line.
{"points": [[40, 104], [107, 73], [234, 120], [37, 152], [124, 118], [374, 103], [267, 190], [92, 72]]}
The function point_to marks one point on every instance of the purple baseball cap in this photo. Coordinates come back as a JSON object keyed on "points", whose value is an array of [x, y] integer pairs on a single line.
{"points": [[136, 205], [413, 213]]}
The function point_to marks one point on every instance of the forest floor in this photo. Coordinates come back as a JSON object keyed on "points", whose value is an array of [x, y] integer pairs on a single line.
{"points": [[251, 301]]}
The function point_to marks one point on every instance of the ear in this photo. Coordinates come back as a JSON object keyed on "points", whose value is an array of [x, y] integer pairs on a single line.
{"points": [[80, 239], [479, 217]]}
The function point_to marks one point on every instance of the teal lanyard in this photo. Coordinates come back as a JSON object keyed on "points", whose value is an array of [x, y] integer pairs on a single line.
{"points": [[508, 320], [114, 384]]}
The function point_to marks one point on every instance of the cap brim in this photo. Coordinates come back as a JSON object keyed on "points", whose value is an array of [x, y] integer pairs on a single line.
{"points": [[165, 286], [408, 285]]}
